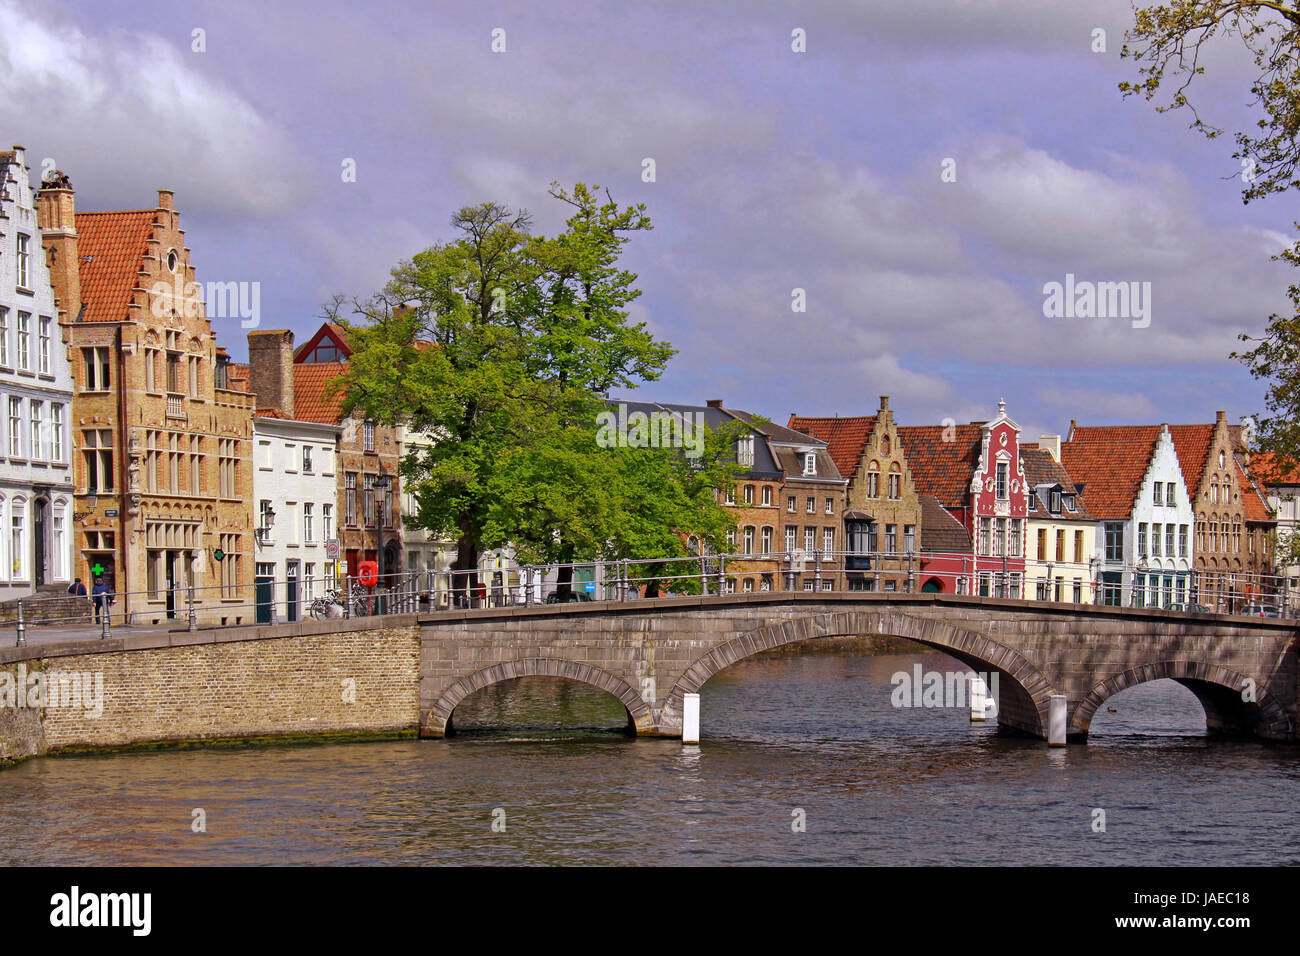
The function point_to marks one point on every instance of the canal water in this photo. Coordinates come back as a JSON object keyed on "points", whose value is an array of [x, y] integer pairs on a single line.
{"points": [[805, 760]]}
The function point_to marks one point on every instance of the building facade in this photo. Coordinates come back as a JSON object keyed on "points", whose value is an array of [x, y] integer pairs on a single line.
{"points": [[882, 518], [1062, 538], [975, 473], [163, 466], [1134, 485], [299, 383], [36, 479], [296, 490]]}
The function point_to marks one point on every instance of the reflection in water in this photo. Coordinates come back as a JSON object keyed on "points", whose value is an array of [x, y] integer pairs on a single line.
{"points": [[878, 785]]}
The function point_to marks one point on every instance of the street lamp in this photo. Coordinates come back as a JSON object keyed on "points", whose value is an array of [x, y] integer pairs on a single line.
{"points": [[268, 519], [382, 483]]}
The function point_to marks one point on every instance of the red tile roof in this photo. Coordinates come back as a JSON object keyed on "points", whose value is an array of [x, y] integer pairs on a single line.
{"points": [[1263, 465], [314, 397], [1255, 505], [942, 468], [1191, 444], [845, 437], [111, 246], [238, 377], [1111, 468]]}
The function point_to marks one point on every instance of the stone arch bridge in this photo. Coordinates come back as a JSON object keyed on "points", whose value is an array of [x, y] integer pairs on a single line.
{"points": [[649, 654]]}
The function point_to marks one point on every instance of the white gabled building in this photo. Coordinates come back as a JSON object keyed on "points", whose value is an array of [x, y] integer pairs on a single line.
{"points": [[295, 492], [35, 401], [1131, 479]]}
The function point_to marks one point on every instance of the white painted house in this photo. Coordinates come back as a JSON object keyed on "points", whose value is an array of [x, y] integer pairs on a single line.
{"points": [[295, 496], [35, 402], [1132, 483]]}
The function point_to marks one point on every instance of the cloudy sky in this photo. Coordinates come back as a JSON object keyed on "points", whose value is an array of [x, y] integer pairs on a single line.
{"points": [[774, 170]]}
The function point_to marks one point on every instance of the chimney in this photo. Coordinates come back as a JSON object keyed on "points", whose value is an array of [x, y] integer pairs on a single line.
{"points": [[1070, 433], [1220, 416], [884, 402], [883, 413], [1051, 443], [715, 403], [270, 369], [56, 217], [167, 200]]}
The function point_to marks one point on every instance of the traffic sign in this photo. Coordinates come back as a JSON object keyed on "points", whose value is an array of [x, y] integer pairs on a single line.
{"points": [[590, 587], [332, 549]]}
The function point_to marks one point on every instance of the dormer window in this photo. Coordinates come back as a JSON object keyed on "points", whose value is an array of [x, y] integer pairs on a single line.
{"points": [[745, 451], [1069, 502], [1056, 502], [810, 463]]}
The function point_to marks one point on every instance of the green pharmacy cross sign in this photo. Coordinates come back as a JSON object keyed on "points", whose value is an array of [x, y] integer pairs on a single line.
{"points": [[97, 570], [218, 555]]}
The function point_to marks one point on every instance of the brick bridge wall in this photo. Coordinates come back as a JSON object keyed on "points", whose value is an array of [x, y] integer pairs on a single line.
{"points": [[650, 655], [310, 678], [402, 673]]}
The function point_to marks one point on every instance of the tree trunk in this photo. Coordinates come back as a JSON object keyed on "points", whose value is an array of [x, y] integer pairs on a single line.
{"points": [[465, 569], [564, 575]]}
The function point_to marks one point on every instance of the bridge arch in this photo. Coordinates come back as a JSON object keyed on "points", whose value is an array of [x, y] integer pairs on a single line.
{"points": [[638, 711], [1218, 688], [1025, 697]]}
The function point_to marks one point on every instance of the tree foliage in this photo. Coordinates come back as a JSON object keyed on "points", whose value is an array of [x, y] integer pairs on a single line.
{"points": [[501, 345], [1168, 40]]}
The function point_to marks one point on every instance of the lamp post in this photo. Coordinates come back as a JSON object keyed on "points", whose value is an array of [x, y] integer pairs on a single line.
{"points": [[382, 484], [268, 521]]}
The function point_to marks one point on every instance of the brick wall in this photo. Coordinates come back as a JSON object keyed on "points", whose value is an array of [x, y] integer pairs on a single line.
{"points": [[231, 683]]}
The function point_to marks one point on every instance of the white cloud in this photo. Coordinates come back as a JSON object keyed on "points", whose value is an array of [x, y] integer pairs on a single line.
{"points": [[140, 102]]}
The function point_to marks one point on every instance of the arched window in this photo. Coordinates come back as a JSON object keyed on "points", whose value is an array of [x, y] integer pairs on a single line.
{"points": [[59, 570], [18, 540], [884, 445], [873, 480], [4, 539], [749, 539], [749, 494], [895, 482], [749, 586], [767, 540]]}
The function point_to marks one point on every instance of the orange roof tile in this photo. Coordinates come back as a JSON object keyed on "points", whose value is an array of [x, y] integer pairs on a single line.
{"points": [[845, 437], [111, 246], [1191, 444], [238, 377], [314, 398], [942, 468], [1264, 466], [1256, 507], [1110, 468]]}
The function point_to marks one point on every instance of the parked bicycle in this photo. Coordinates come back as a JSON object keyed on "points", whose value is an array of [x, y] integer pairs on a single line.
{"points": [[329, 605]]}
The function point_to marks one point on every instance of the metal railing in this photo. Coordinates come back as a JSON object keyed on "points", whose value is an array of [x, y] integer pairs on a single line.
{"points": [[267, 601]]}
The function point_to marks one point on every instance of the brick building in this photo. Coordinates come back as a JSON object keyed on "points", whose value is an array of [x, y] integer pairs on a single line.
{"points": [[975, 472], [299, 384], [882, 517], [162, 468], [810, 499]]}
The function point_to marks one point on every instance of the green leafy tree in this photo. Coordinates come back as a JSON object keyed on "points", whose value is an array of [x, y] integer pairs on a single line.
{"points": [[1167, 44], [1167, 41], [501, 345]]}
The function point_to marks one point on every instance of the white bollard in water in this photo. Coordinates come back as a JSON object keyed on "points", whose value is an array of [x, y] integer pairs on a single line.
{"points": [[1056, 721], [690, 718], [979, 706]]}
